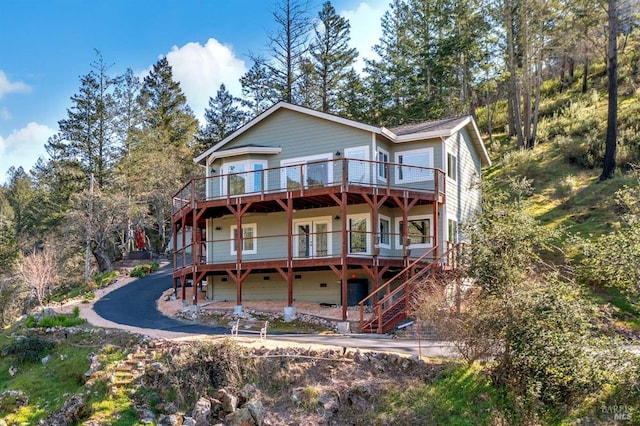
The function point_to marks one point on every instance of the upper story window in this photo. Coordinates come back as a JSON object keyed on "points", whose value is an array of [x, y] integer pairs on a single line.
{"points": [[452, 166], [242, 177], [358, 166], [413, 165], [382, 157], [311, 171]]}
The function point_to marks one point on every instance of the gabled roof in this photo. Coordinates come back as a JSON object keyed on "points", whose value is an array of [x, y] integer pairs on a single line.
{"points": [[405, 133]]}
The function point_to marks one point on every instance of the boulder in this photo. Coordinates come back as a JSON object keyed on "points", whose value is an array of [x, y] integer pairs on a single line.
{"points": [[170, 420], [228, 400], [202, 412], [240, 417]]}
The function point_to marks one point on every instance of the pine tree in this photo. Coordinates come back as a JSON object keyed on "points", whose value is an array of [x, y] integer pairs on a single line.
{"points": [[166, 117], [222, 117], [163, 159], [256, 87], [288, 46], [331, 55], [88, 132]]}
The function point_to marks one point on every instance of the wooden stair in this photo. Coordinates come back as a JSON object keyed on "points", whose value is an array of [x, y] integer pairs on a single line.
{"points": [[390, 301]]}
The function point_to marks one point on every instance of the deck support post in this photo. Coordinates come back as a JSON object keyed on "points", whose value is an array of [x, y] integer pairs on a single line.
{"points": [[344, 289]]}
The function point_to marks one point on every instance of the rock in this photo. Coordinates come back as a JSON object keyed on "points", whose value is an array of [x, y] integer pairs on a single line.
{"points": [[256, 409], [170, 420], [170, 408], [11, 400], [228, 400], [147, 417], [330, 401], [188, 421], [13, 371], [202, 412], [72, 411], [157, 367], [248, 392], [46, 360], [216, 407], [240, 417]]}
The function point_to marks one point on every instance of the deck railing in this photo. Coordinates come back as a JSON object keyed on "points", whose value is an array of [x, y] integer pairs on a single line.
{"points": [[312, 245], [303, 177]]}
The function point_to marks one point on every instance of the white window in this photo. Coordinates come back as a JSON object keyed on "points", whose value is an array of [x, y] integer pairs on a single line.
{"points": [[452, 231], [418, 231], [358, 165], [312, 237], [359, 227], [412, 165], [384, 231], [249, 238], [382, 157], [242, 177], [452, 166], [316, 171]]}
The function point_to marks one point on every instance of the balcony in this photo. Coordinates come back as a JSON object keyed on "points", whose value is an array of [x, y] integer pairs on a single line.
{"points": [[308, 249], [309, 179]]}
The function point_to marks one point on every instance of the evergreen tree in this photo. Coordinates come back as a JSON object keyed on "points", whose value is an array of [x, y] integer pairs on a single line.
{"points": [[257, 90], [352, 101], [222, 117], [288, 45], [166, 117], [331, 55], [88, 132], [163, 159], [393, 70], [308, 86]]}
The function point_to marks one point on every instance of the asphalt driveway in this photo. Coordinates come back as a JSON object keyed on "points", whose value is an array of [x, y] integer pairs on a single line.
{"points": [[135, 305]]}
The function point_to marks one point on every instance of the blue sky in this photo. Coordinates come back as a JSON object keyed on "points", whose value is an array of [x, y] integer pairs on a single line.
{"points": [[46, 45]]}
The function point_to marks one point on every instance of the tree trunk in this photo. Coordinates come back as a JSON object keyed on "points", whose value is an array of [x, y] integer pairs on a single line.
{"points": [[103, 260], [609, 166], [513, 78], [536, 108], [585, 71]]}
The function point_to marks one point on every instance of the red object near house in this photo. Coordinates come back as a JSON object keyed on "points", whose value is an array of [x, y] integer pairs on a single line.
{"points": [[140, 240]]}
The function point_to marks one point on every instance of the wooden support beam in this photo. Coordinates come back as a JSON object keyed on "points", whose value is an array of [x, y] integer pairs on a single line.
{"points": [[343, 206], [290, 251]]}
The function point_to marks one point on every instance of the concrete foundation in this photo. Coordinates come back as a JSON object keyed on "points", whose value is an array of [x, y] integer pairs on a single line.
{"points": [[237, 310], [289, 313], [344, 328]]}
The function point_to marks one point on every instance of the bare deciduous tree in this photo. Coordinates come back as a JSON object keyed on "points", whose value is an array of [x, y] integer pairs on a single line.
{"points": [[39, 271]]}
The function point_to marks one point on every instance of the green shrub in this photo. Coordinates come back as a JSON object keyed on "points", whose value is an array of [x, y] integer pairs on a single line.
{"points": [[60, 320], [142, 270], [29, 348], [103, 279], [30, 322]]}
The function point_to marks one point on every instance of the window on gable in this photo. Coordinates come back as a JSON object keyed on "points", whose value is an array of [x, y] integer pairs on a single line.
{"points": [[249, 240], [452, 166]]}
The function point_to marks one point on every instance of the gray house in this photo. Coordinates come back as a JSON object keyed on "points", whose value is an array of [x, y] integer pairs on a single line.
{"points": [[300, 205]]}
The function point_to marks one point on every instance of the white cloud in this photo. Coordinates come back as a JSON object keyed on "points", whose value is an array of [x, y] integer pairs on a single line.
{"points": [[5, 114], [7, 86], [365, 28], [23, 147], [201, 69]]}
